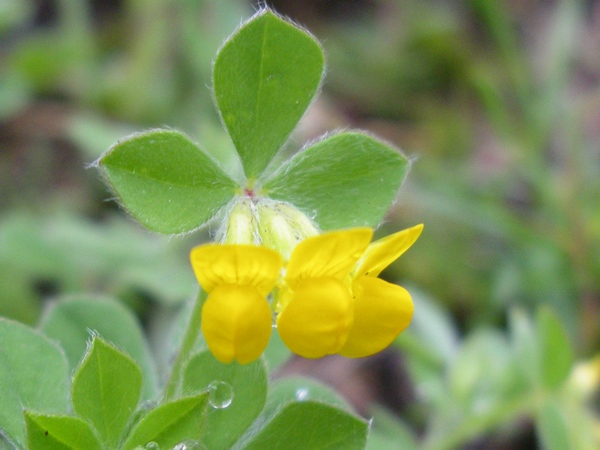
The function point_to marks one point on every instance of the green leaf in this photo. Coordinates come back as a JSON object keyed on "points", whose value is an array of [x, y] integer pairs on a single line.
{"points": [[552, 427], [71, 320], [556, 354], [308, 424], [298, 389], [346, 180], [165, 181], [387, 431], [106, 390], [170, 423], [524, 344], [33, 375], [48, 432], [237, 396], [482, 372], [264, 78]]}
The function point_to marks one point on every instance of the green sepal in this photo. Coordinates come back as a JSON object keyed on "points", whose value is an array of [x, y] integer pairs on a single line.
{"points": [[265, 76], [345, 180], [165, 181]]}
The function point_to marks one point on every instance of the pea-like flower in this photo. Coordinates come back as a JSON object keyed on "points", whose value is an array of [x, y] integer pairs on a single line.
{"points": [[382, 310], [330, 299], [333, 302], [315, 302], [236, 317]]}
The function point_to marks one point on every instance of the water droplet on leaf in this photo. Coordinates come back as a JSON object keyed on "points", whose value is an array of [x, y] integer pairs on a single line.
{"points": [[152, 446], [301, 394], [220, 394], [190, 444]]}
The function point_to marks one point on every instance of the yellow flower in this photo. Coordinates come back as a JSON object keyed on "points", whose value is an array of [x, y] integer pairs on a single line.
{"points": [[381, 310], [315, 303], [330, 301], [236, 317]]}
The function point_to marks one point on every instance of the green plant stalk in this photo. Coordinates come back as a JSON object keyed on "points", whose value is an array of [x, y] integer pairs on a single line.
{"points": [[186, 350]]}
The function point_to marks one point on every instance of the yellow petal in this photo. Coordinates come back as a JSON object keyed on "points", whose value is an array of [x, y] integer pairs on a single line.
{"points": [[316, 320], [383, 252], [236, 323], [244, 265], [381, 311], [327, 255]]}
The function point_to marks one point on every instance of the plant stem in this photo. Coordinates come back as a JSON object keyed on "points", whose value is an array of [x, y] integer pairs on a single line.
{"points": [[187, 347]]}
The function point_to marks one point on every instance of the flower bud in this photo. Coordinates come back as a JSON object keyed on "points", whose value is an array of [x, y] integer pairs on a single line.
{"points": [[282, 226], [240, 225]]}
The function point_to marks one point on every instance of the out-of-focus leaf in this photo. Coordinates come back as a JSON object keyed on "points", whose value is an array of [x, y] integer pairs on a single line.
{"points": [[72, 319], [388, 431], [73, 255], [483, 373], [33, 375], [555, 352], [552, 427]]}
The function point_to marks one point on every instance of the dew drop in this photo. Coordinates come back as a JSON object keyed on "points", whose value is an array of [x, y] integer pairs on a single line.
{"points": [[220, 394], [190, 444], [301, 394], [152, 446]]}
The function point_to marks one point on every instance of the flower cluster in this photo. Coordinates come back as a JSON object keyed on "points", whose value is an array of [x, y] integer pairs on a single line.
{"points": [[326, 299]]}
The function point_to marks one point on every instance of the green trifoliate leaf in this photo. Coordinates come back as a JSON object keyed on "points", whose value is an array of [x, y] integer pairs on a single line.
{"points": [[346, 180], [47, 432], [170, 423], [165, 181], [264, 77], [237, 394], [71, 320], [106, 390], [33, 375]]}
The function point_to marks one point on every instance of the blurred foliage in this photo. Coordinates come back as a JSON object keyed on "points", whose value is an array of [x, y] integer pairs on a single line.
{"points": [[499, 100]]}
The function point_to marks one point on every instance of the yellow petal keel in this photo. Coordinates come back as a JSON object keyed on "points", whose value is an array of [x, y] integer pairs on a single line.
{"points": [[236, 323], [249, 265], [385, 251], [381, 312], [316, 319]]}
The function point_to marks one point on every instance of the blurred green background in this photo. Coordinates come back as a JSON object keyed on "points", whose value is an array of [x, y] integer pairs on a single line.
{"points": [[498, 105]]}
